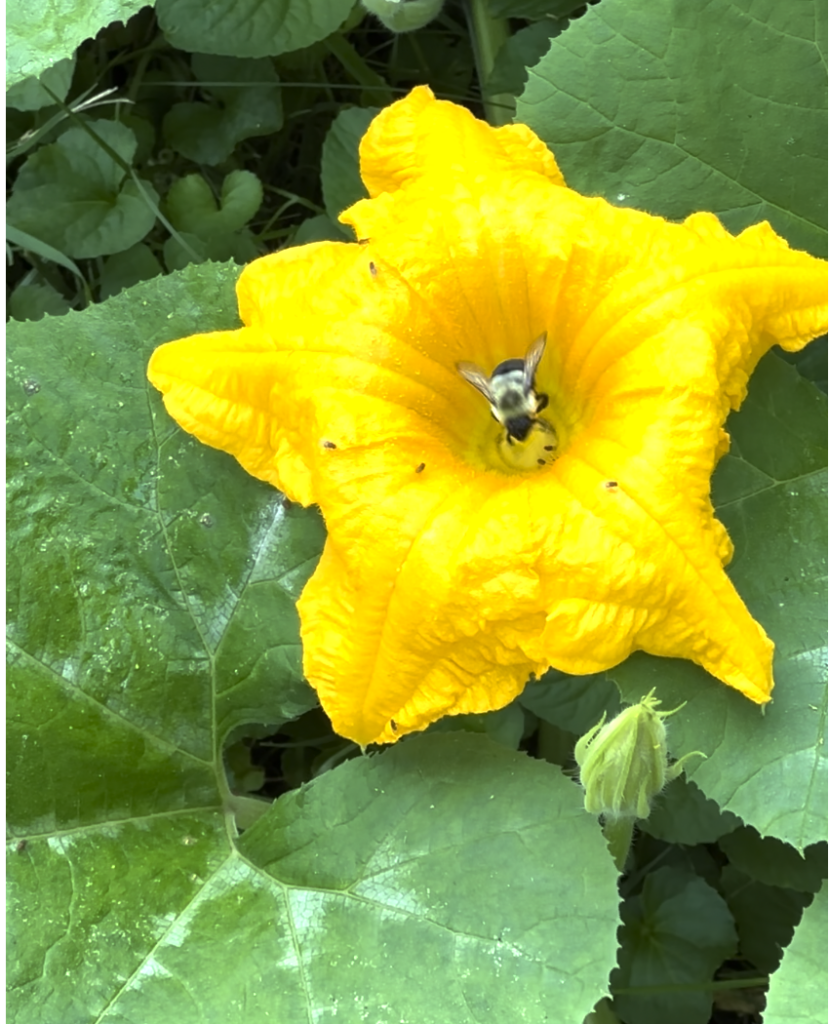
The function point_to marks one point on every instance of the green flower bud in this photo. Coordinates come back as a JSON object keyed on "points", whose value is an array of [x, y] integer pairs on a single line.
{"points": [[404, 15], [624, 764]]}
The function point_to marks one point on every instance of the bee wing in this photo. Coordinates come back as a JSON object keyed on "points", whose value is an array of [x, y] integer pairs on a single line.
{"points": [[477, 378], [532, 359]]}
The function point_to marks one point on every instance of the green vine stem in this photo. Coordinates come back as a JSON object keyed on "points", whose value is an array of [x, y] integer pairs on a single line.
{"points": [[488, 36]]}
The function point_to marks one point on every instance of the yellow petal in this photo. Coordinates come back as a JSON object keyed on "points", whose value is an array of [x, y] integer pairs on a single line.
{"points": [[420, 136], [449, 575]]}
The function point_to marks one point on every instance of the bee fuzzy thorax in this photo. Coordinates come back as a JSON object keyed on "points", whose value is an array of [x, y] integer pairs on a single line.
{"points": [[528, 440]]}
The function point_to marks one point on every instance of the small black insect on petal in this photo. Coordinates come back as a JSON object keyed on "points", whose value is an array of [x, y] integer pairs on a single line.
{"points": [[611, 484], [549, 447], [393, 725], [373, 269], [329, 444], [420, 468], [542, 462]]}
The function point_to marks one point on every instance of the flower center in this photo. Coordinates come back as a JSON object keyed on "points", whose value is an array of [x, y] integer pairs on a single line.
{"points": [[493, 447], [539, 447], [523, 431]]}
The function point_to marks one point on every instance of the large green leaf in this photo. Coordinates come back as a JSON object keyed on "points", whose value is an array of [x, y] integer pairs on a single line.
{"points": [[797, 994], [73, 195], [40, 34], [519, 52], [774, 863], [533, 8], [245, 101], [450, 859], [770, 491], [140, 558], [249, 28], [321, 229], [507, 726], [342, 185], [574, 703], [30, 94], [125, 269], [151, 610], [682, 815], [676, 933], [672, 107], [765, 916], [151, 591], [35, 300], [192, 207]]}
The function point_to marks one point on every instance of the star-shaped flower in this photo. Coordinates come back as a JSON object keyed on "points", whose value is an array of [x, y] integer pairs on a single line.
{"points": [[460, 560]]}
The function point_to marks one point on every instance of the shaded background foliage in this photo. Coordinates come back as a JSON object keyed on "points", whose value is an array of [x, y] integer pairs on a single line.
{"points": [[156, 698]]}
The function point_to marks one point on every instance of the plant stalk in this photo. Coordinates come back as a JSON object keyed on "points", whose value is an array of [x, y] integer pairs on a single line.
{"points": [[488, 36]]}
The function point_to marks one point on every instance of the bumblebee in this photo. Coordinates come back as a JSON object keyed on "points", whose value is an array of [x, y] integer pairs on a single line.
{"points": [[511, 392], [528, 439]]}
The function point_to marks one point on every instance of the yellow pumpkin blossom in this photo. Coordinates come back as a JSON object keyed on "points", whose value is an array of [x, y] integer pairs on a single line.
{"points": [[455, 566]]}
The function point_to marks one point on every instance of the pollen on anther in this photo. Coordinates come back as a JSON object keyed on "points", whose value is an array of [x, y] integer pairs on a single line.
{"points": [[328, 444]]}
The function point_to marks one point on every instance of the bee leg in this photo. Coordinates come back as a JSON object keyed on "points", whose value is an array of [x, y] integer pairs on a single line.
{"points": [[541, 402]]}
